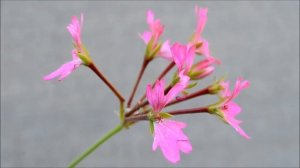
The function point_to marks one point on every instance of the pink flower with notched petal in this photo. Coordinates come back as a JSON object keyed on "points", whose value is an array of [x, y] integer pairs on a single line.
{"points": [[75, 30], [156, 96], [156, 30], [66, 69], [229, 108], [155, 26], [168, 135], [183, 56]]}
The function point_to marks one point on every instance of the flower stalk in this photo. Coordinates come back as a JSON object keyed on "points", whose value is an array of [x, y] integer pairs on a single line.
{"points": [[93, 67], [142, 70], [141, 117], [163, 74], [92, 148]]}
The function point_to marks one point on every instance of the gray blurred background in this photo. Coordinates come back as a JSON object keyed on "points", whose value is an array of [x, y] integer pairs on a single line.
{"points": [[47, 124]]}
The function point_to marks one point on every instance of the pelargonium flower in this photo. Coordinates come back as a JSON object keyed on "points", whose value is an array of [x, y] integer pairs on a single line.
{"points": [[183, 56], [202, 46], [151, 38], [66, 69], [156, 96], [202, 69], [228, 109], [168, 135], [80, 54]]}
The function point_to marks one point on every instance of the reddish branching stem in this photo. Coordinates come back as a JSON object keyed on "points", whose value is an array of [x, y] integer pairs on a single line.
{"points": [[145, 64], [93, 67], [177, 112], [190, 96], [178, 100], [163, 74]]}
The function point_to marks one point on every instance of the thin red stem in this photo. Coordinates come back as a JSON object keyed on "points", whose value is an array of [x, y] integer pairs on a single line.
{"points": [[135, 108], [177, 112], [93, 67], [190, 96], [178, 100], [145, 64], [168, 68]]}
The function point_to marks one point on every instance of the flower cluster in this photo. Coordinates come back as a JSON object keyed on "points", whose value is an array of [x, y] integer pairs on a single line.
{"points": [[193, 62]]}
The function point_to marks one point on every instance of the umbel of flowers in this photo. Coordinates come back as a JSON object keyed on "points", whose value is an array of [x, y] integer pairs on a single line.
{"points": [[167, 132]]}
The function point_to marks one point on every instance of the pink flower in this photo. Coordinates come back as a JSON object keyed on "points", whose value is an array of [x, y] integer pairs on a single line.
{"points": [[156, 96], [156, 30], [168, 135], [203, 68], [229, 108], [203, 49], [75, 30], [66, 69], [183, 56]]}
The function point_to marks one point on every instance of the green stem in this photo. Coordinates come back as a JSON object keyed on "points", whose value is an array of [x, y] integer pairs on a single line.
{"points": [[96, 145]]}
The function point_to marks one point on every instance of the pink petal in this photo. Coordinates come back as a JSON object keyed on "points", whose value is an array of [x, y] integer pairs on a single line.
{"points": [[159, 91], [178, 87], [174, 124], [155, 95], [166, 143], [75, 29], [185, 146], [64, 70], [181, 57], [204, 49], [239, 86], [151, 99], [226, 90], [201, 15], [207, 71], [165, 51], [232, 109], [54, 74], [150, 17], [146, 36], [168, 135], [190, 56], [74, 55]]}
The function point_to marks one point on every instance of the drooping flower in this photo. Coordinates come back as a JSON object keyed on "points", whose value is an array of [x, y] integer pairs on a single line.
{"points": [[168, 135], [66, 69], [228, 109], [80, 54], [151, 38], [156, 96], [202, 69]]}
